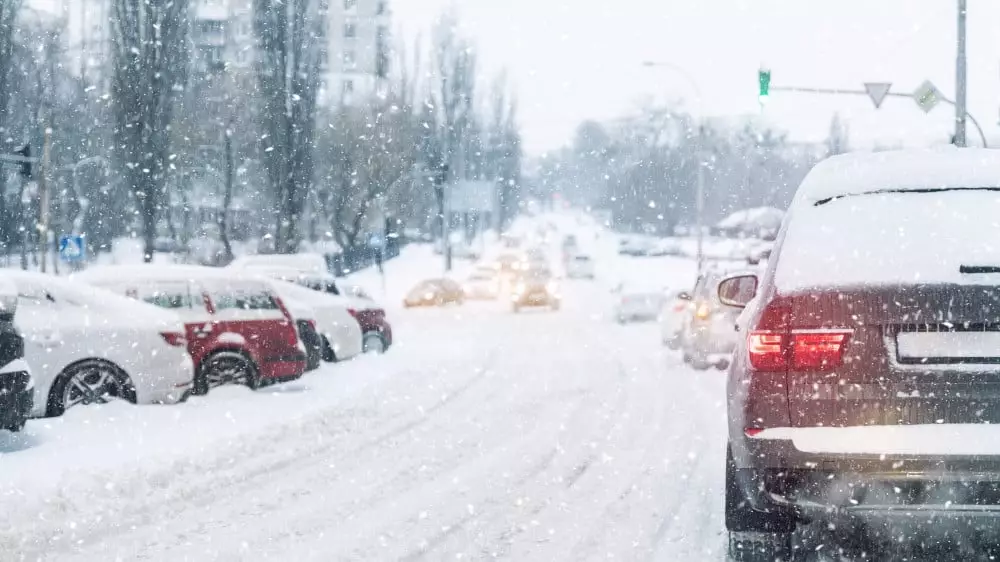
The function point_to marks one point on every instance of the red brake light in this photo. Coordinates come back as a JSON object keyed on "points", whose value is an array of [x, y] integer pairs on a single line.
{"points": [[767, 350], [312, 324], [817, 350], [352, 312], [175, 339]]}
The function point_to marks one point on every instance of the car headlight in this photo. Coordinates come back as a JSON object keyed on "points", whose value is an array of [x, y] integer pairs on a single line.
{"points": [[428, 296], [520, 288], [552, 287]]}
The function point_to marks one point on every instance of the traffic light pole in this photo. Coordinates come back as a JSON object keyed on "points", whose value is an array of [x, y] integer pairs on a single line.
{"points": [[960, 79], [848, 92]]}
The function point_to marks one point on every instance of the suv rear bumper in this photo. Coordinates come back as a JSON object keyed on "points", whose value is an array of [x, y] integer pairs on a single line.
{"points": [[885, 490]]}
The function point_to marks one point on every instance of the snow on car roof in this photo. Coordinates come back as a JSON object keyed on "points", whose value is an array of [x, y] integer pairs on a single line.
{"points": [[122, 309], [311, 262], [116, 274], [900, 170]]}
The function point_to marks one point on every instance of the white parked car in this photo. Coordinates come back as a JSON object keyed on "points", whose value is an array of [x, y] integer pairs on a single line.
{"points": [[88, 346], [580, 266], [673, 317], [340, 333], [637, 303]]}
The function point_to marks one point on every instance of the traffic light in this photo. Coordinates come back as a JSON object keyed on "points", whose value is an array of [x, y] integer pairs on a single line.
{"points": [[25, 166], [764, 80]]}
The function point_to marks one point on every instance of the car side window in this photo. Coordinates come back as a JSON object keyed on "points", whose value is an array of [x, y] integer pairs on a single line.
{"points": [[243, 299]]}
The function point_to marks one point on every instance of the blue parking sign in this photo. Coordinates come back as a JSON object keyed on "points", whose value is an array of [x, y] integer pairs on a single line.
{"points": [[72, 248]]}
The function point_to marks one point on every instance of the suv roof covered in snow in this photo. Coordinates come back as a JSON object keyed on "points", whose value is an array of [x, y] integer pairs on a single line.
{"points": [[900, 170]]}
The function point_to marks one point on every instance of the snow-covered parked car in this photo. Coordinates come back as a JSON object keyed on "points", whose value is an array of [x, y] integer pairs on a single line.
{"points": [[307, 262], [89, 346], [237, 328], [709, 334], [339, 331], [376, 332], [16, 380]]}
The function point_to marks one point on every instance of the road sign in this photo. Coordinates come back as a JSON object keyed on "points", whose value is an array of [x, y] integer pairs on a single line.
{"points": [[927, 96], [877, 91], [72, 248]]}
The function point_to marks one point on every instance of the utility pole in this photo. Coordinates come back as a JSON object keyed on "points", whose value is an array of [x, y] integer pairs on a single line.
{"points": [[960, 78], [700, 197]]}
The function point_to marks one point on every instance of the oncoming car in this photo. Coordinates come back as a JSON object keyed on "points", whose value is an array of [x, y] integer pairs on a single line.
{"points": [[535, 288], [435, 292], [482, 284]]}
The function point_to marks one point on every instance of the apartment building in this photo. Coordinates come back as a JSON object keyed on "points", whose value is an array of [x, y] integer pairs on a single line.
{"points": [[354, 51]]}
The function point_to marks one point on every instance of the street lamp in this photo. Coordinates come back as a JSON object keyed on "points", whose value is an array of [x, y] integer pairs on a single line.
{"points": [[699, 151]]}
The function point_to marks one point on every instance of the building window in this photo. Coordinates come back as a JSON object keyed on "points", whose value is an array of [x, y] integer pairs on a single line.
{"points": [[380, 8], [350, 29], [210, 26], [348, 87], [350, 60], [324, 58], [350, 4]]}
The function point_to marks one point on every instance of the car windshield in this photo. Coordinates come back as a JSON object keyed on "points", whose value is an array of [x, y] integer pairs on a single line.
{"points": [[529, 280]]}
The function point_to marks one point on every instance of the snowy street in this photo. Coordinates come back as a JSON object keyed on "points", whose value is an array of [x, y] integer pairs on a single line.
{"points": [[483, 434]]}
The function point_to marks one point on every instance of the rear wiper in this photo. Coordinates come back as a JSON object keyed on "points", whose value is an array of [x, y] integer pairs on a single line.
{"points": [[979, 269], [826, 200]]}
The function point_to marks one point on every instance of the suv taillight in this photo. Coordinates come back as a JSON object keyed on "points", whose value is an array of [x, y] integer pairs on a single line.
{"points": [[775, 347], [175, 339], [293, 336]]}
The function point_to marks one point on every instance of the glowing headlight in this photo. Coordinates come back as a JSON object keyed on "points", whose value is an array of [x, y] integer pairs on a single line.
{"points": [[552, 287], [520, 288], [429, 296], [702, 312]]}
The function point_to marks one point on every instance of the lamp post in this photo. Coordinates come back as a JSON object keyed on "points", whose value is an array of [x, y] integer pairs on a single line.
{"points": [[699, 151]]}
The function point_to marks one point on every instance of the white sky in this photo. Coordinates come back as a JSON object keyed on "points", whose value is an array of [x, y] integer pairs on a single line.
{"points": [[571, 60]]}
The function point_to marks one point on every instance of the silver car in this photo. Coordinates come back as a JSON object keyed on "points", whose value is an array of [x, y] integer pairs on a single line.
{"points": [[709, 334]]}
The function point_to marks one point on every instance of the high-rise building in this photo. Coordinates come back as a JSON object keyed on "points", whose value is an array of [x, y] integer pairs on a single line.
{"points": [[358, 46], [354, 42]]}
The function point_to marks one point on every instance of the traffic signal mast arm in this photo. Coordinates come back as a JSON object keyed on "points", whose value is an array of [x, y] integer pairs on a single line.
{"points": [[840, 91]]}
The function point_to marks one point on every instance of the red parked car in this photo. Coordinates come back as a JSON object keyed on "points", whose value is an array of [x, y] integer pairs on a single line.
{"points": [[238, 330]]}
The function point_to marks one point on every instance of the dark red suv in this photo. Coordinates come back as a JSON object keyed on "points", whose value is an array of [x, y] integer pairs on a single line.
{"points": [[864, 393]]}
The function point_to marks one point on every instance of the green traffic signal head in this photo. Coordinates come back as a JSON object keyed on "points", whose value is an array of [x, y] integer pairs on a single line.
{"points": [[764, 81]]}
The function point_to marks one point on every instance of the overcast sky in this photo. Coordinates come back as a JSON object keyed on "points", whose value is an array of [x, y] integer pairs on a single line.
{"points": [[572, 60]]}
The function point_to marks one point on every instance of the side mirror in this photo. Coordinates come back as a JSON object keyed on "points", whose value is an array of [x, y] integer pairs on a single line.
{"points": [[684, 296], [738, 290]]}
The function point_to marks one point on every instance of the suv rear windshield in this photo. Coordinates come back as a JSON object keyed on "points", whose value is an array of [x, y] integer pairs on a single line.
{"points": [[891, 239]]}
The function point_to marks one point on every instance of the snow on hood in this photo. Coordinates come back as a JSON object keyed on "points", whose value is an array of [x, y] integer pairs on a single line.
{"points": [[900, 170]]}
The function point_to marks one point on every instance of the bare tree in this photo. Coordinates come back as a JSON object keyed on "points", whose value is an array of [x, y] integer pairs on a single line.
{"points": [[288, 35], [8, 18], [150, 51]]}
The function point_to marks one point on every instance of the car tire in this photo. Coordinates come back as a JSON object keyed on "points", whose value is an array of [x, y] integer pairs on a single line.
{"points": [[754, 536], [117, 384], [673, 344], [327, 351], [238, 368], [373, 343]]}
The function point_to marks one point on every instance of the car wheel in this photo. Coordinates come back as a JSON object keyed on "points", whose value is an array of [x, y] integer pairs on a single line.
{"points": [[328, 355], [374, 343], [89, 382], [226, 367], [754, 536]]}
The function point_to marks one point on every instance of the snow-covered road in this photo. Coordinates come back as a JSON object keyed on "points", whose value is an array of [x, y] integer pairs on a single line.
{"points": [[484, 434]]}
